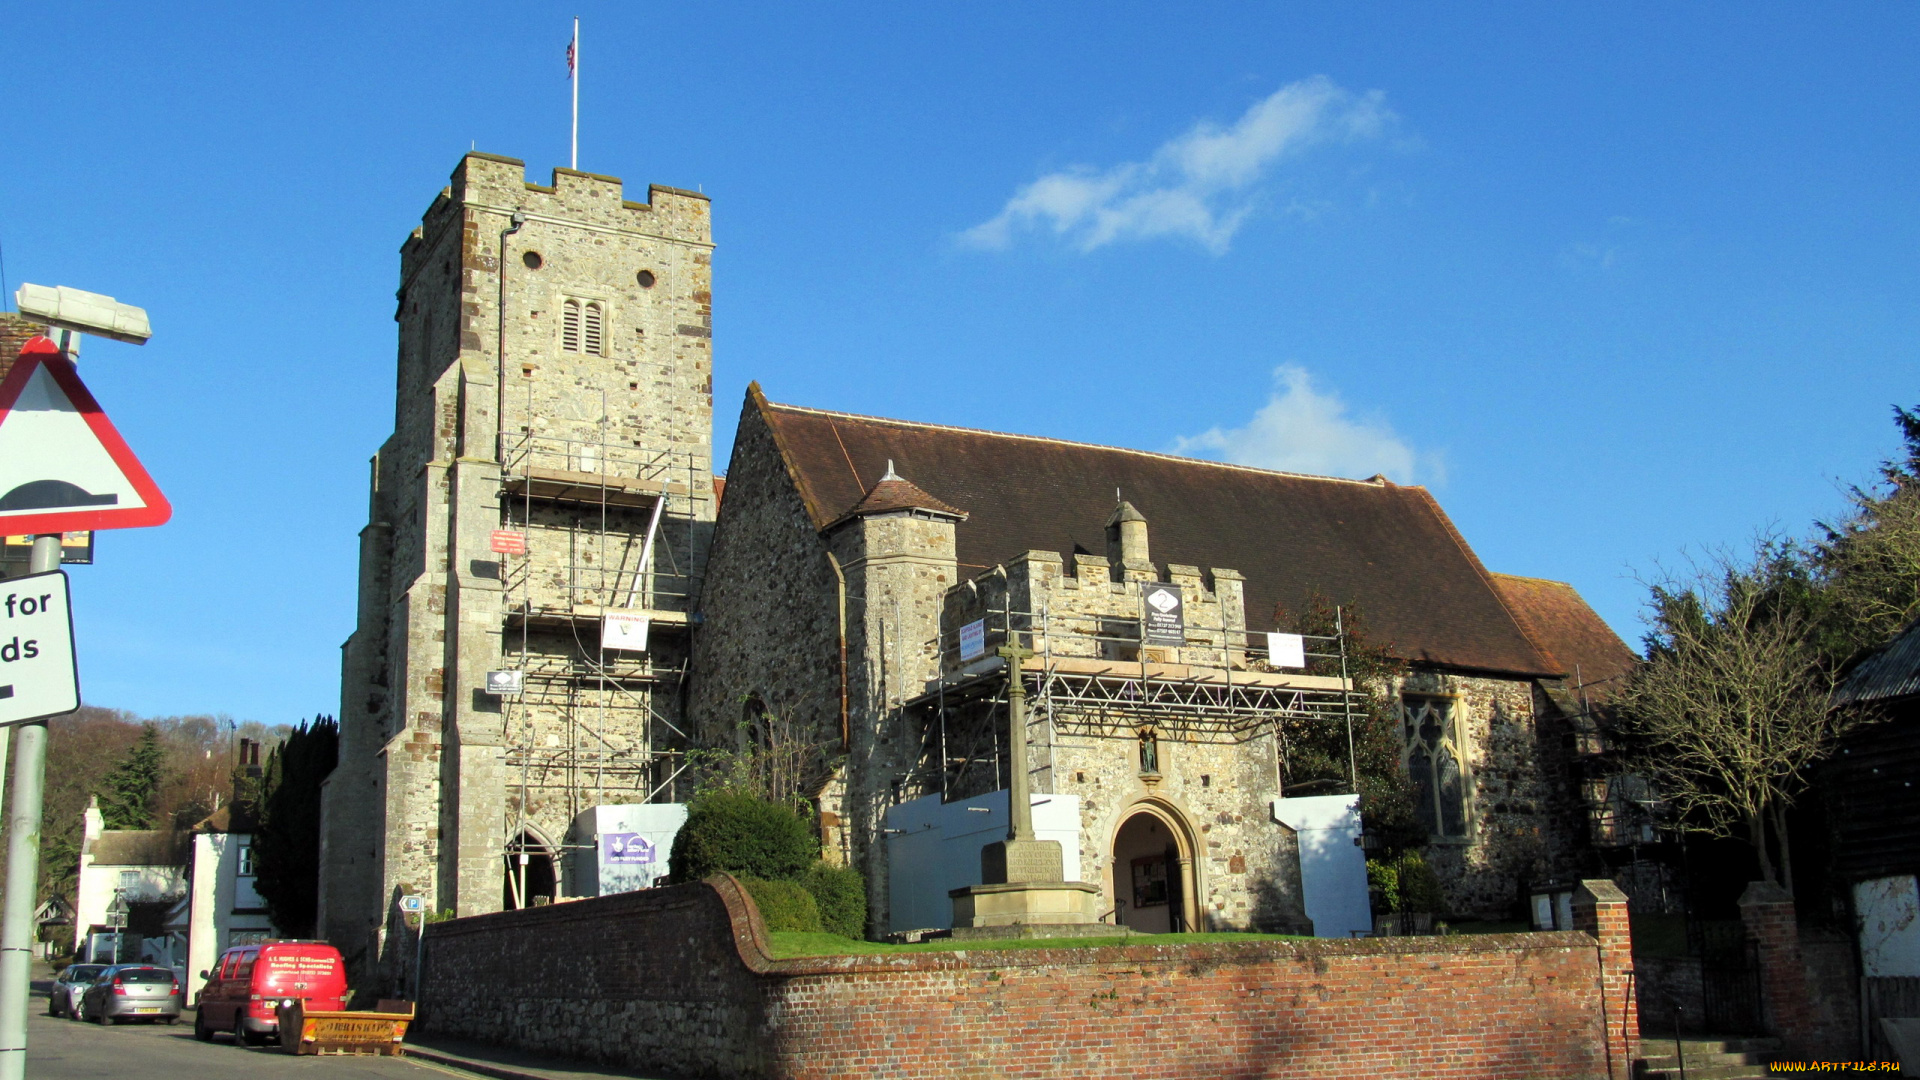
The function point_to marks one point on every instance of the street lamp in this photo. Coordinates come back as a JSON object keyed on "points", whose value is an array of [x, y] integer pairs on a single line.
{"points": [[83, 312]]}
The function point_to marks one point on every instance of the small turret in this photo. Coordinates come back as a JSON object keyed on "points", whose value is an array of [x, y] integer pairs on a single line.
{"points": [[1127, 538]]}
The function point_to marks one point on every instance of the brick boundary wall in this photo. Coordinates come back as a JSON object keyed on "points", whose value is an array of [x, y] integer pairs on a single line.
{"points": [[680, 980]]}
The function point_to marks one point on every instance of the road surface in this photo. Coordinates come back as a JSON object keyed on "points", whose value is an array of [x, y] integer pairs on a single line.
{"points": [[59, 1049]]}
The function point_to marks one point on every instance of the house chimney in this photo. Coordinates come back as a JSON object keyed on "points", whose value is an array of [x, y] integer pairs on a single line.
{"points": [[1127, 537]]}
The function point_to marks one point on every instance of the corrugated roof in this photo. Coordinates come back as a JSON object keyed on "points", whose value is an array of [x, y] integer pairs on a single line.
{"points": [[1893, 672], [1387, 547], [1569, 631]]}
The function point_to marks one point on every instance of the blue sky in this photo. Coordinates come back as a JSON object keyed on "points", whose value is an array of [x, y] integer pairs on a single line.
{"points": [[1617, 281]]}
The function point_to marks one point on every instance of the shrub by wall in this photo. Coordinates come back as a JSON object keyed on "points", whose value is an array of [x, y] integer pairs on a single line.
{"points": [[786, 905], [840, 892], [733, 832]]}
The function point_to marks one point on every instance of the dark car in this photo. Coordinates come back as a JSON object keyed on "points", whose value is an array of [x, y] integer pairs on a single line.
{"points": [[64, 998], [133, 992]]}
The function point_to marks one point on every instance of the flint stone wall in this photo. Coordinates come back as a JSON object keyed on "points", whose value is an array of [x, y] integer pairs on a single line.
{"points": [[681, 980]]}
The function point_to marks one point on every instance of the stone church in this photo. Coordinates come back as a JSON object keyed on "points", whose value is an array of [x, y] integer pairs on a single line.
{"points": [[559, 600], [852, 553]]}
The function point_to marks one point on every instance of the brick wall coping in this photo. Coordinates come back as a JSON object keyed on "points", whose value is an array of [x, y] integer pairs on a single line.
{"points": [[753, 946]]}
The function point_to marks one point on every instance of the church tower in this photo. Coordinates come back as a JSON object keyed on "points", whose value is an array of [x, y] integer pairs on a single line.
{"points": [[549, 478]]}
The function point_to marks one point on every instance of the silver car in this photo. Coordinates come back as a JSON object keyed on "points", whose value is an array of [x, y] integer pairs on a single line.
{"points": [[133, 992], [64, 998]]}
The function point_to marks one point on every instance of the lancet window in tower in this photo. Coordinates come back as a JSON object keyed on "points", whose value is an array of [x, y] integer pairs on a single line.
{"points": [[590, 330], [583, 327], [570, 326]]}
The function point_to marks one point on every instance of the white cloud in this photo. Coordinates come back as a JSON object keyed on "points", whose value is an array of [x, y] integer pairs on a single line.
{"points": [[1301, 429], [1199, 186]]}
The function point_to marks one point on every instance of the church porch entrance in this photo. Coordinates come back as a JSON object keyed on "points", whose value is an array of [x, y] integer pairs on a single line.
{"points": [[1152, 873]]}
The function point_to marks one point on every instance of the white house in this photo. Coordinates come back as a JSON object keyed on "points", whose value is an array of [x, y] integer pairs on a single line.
{"points": [[221, 908], [138, 864], [206, 872]]}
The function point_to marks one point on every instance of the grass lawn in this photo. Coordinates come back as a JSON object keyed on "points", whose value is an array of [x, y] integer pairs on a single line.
{"points": [[787, 945]]}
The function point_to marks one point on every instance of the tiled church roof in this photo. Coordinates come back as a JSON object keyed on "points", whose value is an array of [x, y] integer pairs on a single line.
{"points": [[1387, 547], [1569, 632]]}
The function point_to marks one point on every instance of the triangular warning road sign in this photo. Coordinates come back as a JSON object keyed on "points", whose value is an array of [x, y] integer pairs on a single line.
{"points": [[63, 468]]}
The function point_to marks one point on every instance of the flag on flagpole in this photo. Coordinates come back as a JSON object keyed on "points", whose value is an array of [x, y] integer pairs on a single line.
{"points": [[570, 59]]}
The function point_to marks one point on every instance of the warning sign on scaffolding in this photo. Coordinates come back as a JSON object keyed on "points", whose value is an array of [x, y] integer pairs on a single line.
{"points": [[1166, 622], [973, 640], [623, 631], [1286, 650], [506, 683], [509, 543]]}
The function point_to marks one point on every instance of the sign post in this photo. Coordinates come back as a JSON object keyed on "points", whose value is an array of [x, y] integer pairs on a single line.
{"points": [[23, 862], [63, 468]]}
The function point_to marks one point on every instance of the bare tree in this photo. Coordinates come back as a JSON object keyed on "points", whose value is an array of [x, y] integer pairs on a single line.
{"points": [[1731, 709]]}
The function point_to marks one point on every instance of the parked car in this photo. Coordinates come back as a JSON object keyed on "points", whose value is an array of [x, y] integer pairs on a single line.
{"points": [[64, 998], [133, 992], [250, 982]]}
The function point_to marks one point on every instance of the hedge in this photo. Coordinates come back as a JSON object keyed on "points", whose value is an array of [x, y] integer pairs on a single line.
{"points": [[743, 835], [840, 892], [785, 905]]}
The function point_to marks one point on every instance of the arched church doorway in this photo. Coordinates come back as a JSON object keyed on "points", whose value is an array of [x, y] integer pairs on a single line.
{"points": [[531, 876], [1152, 864]]}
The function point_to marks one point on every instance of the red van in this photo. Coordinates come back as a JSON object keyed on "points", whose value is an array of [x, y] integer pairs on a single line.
{"points": [[251, 981]]}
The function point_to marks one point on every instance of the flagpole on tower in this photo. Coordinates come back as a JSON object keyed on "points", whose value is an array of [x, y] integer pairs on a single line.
{"points": [[573, 73]]}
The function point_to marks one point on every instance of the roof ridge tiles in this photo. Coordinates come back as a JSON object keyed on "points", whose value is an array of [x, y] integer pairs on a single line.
{"points": [[1369, 483]]}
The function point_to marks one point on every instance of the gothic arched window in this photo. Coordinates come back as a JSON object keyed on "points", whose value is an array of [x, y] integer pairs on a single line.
{"points": [[1436, 765]]}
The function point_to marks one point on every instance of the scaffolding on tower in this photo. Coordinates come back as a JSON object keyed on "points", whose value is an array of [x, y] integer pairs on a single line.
{"points": [[609, 528]]}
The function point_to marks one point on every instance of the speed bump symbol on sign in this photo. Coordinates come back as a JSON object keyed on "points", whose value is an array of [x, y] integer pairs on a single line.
{"points": [[38, 678]]}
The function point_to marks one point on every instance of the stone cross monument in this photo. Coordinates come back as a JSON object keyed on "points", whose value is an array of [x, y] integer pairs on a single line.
{"points": [[1023, 891]]}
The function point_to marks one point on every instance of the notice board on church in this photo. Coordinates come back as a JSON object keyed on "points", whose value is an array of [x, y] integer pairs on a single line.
{"points": [[1166, 615]]}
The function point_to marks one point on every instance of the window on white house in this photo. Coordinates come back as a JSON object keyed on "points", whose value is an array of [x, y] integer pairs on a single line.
{"points": [[570, 326], [129, 879], [1435, 764], [246, 860]]}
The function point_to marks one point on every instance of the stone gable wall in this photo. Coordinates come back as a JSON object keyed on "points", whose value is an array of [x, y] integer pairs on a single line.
{"points": [[770, 623], [681, 980]]}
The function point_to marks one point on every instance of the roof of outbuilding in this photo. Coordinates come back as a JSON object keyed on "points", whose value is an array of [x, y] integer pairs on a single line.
{"points": [[1386, 547], [1569, 631], [1893, 672]]}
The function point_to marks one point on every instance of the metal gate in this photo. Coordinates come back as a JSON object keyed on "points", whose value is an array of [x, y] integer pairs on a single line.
{"points": [[1729, 977]]}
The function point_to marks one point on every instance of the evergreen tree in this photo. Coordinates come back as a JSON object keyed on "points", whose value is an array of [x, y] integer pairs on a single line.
{"points": [[1869, 563], [286, 846], [127, 792]]}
